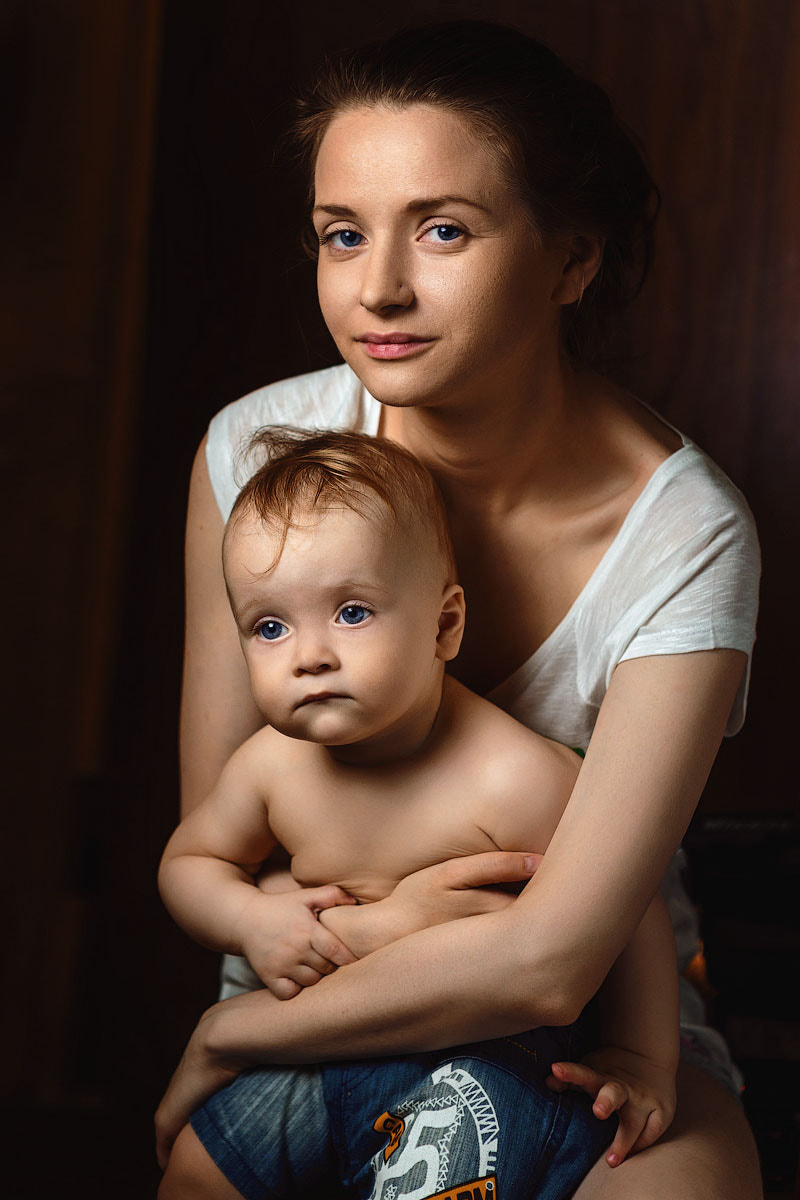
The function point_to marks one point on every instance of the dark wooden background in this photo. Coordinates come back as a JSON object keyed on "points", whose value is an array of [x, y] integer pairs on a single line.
{"points": [[150, 272]]}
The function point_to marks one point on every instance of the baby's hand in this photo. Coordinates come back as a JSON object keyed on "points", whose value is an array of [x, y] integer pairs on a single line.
{"points": [[642, 1093], [284, 942]]}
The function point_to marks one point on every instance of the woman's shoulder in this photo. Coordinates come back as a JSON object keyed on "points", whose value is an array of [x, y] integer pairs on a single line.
{"points": [[333, 398], [682, 486], [691, 493]]}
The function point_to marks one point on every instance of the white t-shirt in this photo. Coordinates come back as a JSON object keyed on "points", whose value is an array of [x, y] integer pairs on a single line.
{"points": [[681, 575]]}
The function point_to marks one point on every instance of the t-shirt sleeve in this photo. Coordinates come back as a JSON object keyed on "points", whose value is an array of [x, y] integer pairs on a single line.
{"points": [[329, 399], [703, 539]]}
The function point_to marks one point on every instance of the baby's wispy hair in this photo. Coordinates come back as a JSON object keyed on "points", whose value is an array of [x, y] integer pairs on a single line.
{"points": [[309, 471]]}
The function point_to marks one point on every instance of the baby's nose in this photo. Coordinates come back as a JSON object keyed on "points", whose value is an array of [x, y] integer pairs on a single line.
{"points": [[315, 655]]}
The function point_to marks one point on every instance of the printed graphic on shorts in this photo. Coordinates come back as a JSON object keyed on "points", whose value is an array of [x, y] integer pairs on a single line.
{"points": [[395, 1126], [477, 1189], [442, 1142]]}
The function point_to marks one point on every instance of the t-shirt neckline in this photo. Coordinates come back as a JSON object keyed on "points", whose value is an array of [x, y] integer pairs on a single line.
{"points": [[515, 682]]}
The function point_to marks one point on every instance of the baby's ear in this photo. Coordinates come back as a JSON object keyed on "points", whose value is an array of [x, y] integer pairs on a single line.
{"points": [[451, 622]]}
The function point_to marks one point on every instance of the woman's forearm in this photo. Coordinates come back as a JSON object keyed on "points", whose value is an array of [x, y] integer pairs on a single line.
{"points": [[440, 987]]}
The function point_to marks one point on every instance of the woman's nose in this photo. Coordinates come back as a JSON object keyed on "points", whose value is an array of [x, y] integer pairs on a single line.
{"points": [[386, 281]]}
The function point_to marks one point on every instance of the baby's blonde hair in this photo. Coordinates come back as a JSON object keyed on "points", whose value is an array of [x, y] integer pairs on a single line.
{"points": [[309, 470]]}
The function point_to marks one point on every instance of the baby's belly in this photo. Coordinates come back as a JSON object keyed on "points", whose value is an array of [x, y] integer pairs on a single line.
{"points": [[373, 872]]}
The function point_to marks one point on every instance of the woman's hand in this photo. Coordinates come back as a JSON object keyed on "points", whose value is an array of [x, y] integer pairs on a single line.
{"points": [[459, 887], [447, 891], [198, 1076], [640, 1091]]}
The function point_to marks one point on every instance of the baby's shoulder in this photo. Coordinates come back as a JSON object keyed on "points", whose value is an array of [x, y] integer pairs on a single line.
{"points": [[271, 756], [505, 757]]}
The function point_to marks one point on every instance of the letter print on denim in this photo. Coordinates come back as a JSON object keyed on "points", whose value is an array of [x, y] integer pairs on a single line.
{"points": [[442, 1143]]}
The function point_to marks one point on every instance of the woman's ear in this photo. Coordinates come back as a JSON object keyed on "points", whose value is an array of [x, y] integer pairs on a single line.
{"points": [[582, 259], [451, 622]]}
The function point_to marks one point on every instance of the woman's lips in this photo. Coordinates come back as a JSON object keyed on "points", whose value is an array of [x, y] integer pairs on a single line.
{"points": [[393, 345]]}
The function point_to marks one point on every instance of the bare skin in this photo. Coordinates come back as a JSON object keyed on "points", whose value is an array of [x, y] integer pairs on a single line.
{"points": [[539, 466], [375, 767]]}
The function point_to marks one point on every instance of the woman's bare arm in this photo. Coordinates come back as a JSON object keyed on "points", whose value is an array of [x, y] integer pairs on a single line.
{"points": [[543, 957], [217, 709], [539, 960]]}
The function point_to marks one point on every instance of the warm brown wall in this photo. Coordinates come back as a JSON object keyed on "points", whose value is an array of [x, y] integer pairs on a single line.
{"points": [[98, 453], [79, 83]]}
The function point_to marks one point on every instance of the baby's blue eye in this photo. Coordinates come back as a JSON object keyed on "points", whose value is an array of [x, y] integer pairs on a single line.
{"points": [[354, 614], [270, 631], [350, 239]]}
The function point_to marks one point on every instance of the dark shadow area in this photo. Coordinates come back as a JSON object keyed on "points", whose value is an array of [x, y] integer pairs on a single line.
{"points": [[153, 274]]}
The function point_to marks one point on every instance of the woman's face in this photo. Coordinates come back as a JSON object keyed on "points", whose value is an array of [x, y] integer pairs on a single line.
{"points": [[431, 279]]}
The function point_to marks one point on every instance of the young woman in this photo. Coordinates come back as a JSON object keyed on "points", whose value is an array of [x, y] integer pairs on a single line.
{"points": [[478, 214]]}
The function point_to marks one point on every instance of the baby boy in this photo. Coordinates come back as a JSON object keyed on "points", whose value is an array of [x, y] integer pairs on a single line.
{"points": [[374, 766]]}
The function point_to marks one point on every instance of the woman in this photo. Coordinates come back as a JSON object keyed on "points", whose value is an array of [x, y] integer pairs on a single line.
{"points": [[478, 212]]}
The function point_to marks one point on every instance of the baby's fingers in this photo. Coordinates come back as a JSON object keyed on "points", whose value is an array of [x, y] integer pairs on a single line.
{"points": [[577, 1076], [656, 1124], [318, 963], [635, 1131], [327, 896], [610, 1099], [284, 989], [329, 946], [305, 976]]}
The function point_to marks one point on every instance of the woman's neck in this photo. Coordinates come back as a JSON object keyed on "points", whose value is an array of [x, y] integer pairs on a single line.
{"points": [[501, 448]]}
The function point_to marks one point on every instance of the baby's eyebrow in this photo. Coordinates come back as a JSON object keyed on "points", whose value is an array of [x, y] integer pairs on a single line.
{"points": [[337, 590], [357, 585]]}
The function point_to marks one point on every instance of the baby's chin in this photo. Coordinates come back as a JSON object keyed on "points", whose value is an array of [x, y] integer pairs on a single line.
{"points": [[322, 728]]}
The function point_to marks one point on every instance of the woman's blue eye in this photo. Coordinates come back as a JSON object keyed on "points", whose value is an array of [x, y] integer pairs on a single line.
{"points": [[270, 631], [350, 239], [354, 614], [447, 233]]}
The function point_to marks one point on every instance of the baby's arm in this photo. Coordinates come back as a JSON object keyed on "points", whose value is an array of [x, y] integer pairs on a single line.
{"points": [[206, 882]]}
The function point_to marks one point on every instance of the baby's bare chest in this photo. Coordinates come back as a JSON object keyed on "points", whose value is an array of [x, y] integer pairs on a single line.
{"points": [[366, 838]]}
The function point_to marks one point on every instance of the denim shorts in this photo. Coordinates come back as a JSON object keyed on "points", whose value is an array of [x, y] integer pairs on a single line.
{"points": [[474, 1122]]}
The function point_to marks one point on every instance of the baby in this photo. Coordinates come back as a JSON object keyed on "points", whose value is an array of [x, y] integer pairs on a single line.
{"points": [[376, 765]]}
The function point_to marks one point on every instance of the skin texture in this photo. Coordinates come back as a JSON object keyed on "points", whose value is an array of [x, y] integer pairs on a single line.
{"points": [[539, 467]]}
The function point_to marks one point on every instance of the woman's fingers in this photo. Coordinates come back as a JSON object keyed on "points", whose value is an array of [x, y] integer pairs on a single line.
{"points": [[495, 866]]}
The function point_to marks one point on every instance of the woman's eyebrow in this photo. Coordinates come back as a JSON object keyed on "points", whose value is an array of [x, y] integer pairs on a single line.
{"points": [[429, 203]]}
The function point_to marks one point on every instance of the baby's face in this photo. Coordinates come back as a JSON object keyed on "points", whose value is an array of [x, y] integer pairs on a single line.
{"points": [[340, 636]]}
